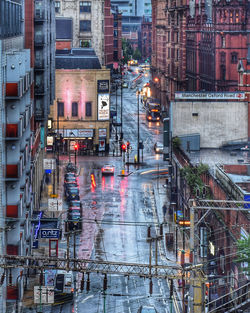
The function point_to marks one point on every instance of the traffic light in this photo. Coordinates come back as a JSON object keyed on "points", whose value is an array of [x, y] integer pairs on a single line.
{"points": [[76, 146], [123, 147], [128, 145], [156, 79]]}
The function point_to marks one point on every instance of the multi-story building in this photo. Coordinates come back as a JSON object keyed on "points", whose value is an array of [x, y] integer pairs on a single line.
{"points": [[16, 77], [26, 42], [168, 49], [134, 7], [112, 35], [81, 112], [146, 38], [44, 81], [88, 23], [217, 37]]}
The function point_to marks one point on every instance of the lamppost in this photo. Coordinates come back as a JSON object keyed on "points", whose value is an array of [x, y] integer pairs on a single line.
{"points": [[121, 102], [138, 126], [76, 149]]}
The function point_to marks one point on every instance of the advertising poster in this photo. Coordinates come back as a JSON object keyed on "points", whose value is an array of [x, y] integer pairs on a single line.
{"points": [[103, 106]]}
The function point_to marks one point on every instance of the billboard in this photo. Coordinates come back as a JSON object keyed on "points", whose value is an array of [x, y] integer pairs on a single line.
{"points": [[103, 106]]}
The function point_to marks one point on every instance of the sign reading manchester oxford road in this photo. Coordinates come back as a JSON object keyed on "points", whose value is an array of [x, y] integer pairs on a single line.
{"points": [[210, 95]]}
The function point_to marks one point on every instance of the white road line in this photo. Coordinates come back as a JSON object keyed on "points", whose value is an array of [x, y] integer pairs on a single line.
{"points": [[89, 297]]}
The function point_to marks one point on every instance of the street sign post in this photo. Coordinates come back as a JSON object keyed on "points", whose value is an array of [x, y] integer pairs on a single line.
{"points": [[49, 164], [43, 295], [55, 204]]}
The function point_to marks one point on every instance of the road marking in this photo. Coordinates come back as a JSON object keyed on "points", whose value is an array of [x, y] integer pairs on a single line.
{"points": [[81, 171], [89, 297]]}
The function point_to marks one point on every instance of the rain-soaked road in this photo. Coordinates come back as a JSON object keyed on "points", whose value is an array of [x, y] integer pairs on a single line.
{"points": [[123, 208], [116, 214]]}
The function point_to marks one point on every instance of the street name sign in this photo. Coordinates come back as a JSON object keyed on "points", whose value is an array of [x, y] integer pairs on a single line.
{"points": [[55, 204]]}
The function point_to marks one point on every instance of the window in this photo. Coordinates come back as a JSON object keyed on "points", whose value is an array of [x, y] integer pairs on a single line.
{"points": [[231, 17], [223, 41], [57, 6], [237, 17], [74, 109], [223, 57], [115, 43], [85, 43], [88, 108], [85, 26], [223, 72], [234, 57], [60, 108], [115, 33], [85, 7]]}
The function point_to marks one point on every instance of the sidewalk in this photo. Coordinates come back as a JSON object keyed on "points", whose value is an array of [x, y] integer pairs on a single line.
{"points": [[169, 226]]}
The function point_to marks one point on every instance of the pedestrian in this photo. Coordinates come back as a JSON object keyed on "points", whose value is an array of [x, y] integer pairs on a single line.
{"points": [[164, 209]]}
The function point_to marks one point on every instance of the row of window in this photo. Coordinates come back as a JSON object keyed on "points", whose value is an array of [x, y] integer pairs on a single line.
{"points": [[10, 18], [234, 57], [74, 109], [84, 6]]}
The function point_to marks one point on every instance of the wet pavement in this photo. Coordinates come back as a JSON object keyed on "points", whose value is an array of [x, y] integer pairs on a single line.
{"points": [[117, 211]]}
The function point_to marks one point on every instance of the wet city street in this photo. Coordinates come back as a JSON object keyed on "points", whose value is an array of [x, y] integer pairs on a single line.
{"points": [[116, 213]]}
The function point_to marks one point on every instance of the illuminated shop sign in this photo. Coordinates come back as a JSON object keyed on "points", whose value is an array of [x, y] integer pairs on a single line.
{"points": [[103, 107]]}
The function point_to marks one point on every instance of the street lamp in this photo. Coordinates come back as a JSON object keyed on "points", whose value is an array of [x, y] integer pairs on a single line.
{"points": [[76, 149], [138, 125]]}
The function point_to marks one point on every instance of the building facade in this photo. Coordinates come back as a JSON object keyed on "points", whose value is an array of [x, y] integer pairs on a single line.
{"points": [[16, 78], [168, 49], [81, 112], [146, 38], [87, 23], [216, 40]]}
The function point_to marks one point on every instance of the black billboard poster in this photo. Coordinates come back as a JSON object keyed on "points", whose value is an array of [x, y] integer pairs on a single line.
{"points": [[103, 85]]}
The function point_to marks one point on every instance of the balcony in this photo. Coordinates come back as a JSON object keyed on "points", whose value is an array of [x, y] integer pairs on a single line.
{"points": [[39, 115], [39, 89], [12, 131], [39, 64], [39, 40], [12, 172], [39, 16]]}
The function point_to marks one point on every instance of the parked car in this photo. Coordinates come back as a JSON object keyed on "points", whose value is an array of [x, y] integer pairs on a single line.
{"points": [[70, 168], [75, 204], [69, 185], [74, 220], [72, 194], [147, 309], [158, 147], [108, 169]]}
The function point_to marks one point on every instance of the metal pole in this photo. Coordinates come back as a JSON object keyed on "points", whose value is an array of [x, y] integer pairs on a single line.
{"points": [[121, 106], [58, 146], [156, 254], [75, 157], [116, 87], [138, 128]]}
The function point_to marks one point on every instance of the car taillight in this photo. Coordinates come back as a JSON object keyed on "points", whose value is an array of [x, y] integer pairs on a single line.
{"points": [[102, 169], [72, 289], [158, 118], [150, 118]]}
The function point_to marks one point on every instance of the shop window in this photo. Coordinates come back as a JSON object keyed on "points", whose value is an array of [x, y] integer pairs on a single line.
{"points": [[85, 6], [85, 26], [88, 109], [74, 109], [60, 109]]}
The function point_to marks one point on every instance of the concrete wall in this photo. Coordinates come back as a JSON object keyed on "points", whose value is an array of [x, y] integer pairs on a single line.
{"points": [[216, 122]]}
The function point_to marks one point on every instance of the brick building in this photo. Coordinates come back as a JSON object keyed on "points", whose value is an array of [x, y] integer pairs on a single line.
{"points": [[168, 49], [146, 38], [216, 39]]}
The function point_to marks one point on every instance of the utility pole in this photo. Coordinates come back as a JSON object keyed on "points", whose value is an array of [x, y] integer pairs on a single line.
{"points": [[138, 127], [121, 101]]}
